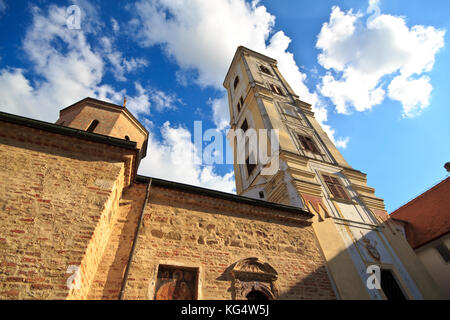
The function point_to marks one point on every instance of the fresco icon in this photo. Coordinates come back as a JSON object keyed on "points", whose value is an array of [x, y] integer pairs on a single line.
{"points": [[174, 283]]}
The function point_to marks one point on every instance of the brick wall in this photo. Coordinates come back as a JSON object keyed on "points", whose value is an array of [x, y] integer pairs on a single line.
{"points": [[58, 196], [65, 202], [191, 230], [108, 279]]}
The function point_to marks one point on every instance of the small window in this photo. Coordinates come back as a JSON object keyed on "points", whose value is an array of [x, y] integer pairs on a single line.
{"points": [[236, 82], [289, 111], [93, 125], [443, 251], [244, 125], [250, 166], [261, 194], [308, 144], [265, 69], [276, 89], [390, 287], [335, 187]]}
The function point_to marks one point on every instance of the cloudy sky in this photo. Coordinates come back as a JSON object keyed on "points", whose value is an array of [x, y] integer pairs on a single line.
{"points": [[376, 72]]}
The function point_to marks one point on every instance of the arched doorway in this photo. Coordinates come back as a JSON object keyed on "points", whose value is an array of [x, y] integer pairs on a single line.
{"points": [[256, 295]]}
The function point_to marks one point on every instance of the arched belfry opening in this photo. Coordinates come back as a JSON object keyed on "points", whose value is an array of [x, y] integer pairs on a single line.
{"points": [[253, 279]]}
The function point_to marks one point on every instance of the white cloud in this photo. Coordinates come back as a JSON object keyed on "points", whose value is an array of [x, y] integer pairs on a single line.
{"points": [[203, 35], [221, 114], [164, 101], [360, 54], [120, 65], [69, 69], [172, 158], [141, 102], [414, 94], [342, 142], [115, 25]]}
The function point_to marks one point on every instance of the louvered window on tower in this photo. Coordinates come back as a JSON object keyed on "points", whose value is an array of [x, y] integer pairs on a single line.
{"points": [[244, 125], [265, 69], [236, 82], [276, 89], [308, 144], [250, 166], [335, 187]]}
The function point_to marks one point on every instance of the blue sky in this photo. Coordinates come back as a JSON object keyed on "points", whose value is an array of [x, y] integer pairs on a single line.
{"points": [[376, 73]]}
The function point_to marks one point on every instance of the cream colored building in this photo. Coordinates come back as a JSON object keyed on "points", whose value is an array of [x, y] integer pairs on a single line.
{"points": [[425, 222], [350, 222], [437, 263]]}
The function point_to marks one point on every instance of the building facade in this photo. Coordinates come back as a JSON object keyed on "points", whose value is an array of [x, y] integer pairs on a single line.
{"points": [[350, 222], [77, 222], [425, 222]]}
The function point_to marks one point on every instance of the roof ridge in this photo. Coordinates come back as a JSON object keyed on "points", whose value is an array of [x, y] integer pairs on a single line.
{"points": [[434, 186]]}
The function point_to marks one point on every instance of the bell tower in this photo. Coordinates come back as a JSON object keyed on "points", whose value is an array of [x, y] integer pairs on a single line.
{"points": [[349, 220]]}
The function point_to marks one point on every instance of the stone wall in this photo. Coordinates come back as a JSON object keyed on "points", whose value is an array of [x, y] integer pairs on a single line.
{"points": [[109, 276], [191, 230], [58, 198]]}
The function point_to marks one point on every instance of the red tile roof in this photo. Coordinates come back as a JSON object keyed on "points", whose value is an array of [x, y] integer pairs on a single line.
{"points": [[427, 216]]}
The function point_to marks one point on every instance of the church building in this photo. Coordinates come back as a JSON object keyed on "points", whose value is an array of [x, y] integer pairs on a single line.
{"points": [[78, 222]]}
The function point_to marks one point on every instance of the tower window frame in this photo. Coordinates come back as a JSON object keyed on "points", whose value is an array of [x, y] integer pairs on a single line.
{"points": [[289, 111], [276, 89], [335, 187], [308, 143], [94, 124], [265, 70], [249, 166], [244, 125], [236, 82]]}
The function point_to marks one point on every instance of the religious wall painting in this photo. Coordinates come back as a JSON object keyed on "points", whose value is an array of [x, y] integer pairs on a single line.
{"points": [[176, 283]]}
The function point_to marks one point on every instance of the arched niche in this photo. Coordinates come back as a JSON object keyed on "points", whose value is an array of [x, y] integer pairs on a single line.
{"points": [[253, 279]]}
